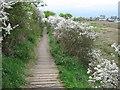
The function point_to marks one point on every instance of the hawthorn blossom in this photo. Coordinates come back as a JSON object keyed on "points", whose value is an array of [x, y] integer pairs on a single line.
{"points": [[104, 71], [4, 15], [100, 69], [116, 47]]}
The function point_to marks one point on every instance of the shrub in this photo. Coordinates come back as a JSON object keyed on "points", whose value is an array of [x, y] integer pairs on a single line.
{"points": [[18, 45], [49, 13], [66, 16], [76, 38]]}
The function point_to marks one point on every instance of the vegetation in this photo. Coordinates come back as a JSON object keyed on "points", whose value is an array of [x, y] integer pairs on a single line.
{"points": [[68, 15], [77, 40], [18, 47], [72, 37], [49, 13], [72, 72], [79, 19], [72, 46], [97, 25]]}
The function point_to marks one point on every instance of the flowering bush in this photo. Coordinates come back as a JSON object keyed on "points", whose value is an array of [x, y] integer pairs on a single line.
{"points": [[6, 25], [103, 70], [78, 38], [4, 17], [17, 48]]}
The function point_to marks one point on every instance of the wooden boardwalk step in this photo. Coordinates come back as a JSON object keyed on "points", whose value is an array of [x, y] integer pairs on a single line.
{"points": [[50, 72], [47, 86], [44, 73], [42, 80], [44, 83], [48, 77], [40, 75]]}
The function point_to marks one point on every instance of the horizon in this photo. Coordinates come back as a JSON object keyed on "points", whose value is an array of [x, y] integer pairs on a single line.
{"points": [[80, 9]]}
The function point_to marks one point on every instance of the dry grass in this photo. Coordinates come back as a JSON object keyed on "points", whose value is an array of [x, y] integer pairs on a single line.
{"points": [[107, 37]]}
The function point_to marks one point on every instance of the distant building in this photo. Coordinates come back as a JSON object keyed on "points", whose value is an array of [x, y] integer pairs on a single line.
{"points": [[114, 19], [104, 18]]}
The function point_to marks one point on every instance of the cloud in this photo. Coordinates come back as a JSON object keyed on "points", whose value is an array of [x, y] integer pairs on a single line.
{"points": [[81, 5], [87, 3]]}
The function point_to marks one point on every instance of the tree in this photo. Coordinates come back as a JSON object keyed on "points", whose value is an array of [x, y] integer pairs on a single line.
{"points": [[79, 19], [49, 13], [68, 15]]}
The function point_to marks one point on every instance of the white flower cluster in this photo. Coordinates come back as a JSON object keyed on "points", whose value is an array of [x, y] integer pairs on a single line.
{"points": [[103, 70], [4, 17], [116, 47], [74, 36], [62, 24]]}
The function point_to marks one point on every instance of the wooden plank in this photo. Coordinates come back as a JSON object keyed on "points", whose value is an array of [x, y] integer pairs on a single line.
{"points": [[53, 77], [42, 80], [43, 72]]}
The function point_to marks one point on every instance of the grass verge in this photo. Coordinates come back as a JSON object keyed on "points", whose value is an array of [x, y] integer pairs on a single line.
{"points": [[72, 72]]}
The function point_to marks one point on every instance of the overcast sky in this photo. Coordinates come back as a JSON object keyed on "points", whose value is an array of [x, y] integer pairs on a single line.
{"points": [[84, 8]]}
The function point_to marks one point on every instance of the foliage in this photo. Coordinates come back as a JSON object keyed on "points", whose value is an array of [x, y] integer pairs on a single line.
{"points": [[66, 16], [79, 19], [71, 36], [6, 27], [77, 39], [13, 75], [49, 13], [72, 73], [18, 46]]}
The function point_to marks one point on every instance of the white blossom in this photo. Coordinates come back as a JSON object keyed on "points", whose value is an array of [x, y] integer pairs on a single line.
{"points": [[116, 47], [104, 71], [100, 69]]}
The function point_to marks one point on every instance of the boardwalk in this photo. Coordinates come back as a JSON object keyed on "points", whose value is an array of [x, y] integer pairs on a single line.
{"points": [[45, 72]]}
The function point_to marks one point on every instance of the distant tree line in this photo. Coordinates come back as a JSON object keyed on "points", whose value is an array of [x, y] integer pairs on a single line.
{"points": [[49, 13], [66, 16]]}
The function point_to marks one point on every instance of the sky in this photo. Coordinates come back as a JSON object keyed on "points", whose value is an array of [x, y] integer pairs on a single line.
{"points": [[83, 8]]}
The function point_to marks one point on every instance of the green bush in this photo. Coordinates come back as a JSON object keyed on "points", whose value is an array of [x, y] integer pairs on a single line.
{"points": [[66, 16], [18, 47], [49, 13]]}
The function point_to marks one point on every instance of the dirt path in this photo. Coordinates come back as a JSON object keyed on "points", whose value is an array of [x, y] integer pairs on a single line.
{"points": [[45, 72]]}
